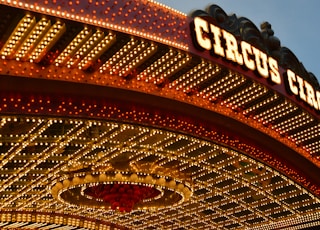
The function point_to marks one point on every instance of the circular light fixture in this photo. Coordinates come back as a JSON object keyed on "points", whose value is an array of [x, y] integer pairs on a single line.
{"points": [[122, 191]]}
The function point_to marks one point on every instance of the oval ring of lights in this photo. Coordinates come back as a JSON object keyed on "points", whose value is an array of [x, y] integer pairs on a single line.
{"points": [[166, 191]]}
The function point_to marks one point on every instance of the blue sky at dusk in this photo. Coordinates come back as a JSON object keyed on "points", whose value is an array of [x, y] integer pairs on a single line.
{"points": [[295, 22]]}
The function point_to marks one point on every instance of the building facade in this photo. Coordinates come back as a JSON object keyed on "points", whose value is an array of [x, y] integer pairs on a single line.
{"points": [[131, 115]]}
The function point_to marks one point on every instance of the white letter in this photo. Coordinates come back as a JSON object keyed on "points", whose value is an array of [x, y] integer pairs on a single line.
{"points": [[246, 51], [291, 79], [232, 48], [217, 40], [301, 88], [262, 67], [274, 71], [310, 95], [318, 99], [201, 25]]}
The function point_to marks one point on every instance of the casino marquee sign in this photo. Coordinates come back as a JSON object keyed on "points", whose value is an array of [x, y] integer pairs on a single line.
{"points": [[118, 114], [220, 43]]}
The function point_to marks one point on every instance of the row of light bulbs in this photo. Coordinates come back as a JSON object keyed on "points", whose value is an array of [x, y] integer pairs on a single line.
{"points": [[28, 22], [294, 122], [266, 102], [247, 95], [222, 86], [172, 139], [73, 47], [276, 112]]}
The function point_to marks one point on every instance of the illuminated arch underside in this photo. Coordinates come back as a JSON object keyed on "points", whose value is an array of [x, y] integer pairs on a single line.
{"points": [[244, 147]]}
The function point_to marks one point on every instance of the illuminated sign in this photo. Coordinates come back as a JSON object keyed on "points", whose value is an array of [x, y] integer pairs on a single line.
{"points": [[221, 43], [302, 89]]}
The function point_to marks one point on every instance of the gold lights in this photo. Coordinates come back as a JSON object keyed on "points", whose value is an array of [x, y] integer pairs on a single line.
{"points": [[247, 95], [96, 50], [34, 37], [84, 49], [31, 39], [102, 16], [46, 161], [280, 110], [73, 47], [221, 87], [172, 191], [128, 58], [195, 77], [58, 157], [48, 41], [164, 67], [294, 122], [57, 154], [145, 61], [45, 220], [19, 34]]}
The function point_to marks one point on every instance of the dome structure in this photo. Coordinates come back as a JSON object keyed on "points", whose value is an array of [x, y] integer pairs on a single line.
{"points": [[131, 115]]}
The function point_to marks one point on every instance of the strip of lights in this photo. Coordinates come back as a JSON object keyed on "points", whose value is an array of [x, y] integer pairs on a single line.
{"points": [[73, 47], [140, 54], [113, 65], [85, 49], [96, 51], [222, 86], [17, 37], [50, 38]]}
